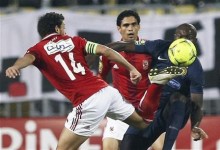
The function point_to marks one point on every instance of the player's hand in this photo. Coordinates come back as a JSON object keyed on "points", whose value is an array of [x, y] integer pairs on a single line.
{"points": [[198, 134], [135, 76], [12, 72]]}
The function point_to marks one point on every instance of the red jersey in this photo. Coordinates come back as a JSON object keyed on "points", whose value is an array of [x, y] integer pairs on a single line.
{"points": [[61, 60], [121, 77]]}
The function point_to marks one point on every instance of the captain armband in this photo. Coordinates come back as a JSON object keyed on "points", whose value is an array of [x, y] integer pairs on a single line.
{"points": [[91, 47]]}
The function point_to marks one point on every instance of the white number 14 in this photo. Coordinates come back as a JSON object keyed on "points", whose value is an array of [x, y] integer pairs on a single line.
{"points": [[77, 67]]}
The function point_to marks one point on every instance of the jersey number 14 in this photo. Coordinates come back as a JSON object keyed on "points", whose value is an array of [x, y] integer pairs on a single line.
{"points": [[77, 67]]}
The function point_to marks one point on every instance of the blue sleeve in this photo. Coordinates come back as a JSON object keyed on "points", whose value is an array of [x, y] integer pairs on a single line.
{"points": [[196, 75], [154, 48]]}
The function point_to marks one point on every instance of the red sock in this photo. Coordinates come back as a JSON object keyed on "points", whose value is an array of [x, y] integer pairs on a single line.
{"points": [[150, 102]]}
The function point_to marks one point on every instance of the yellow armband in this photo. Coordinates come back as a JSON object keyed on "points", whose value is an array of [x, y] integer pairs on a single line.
{"points": [[91, 47]]}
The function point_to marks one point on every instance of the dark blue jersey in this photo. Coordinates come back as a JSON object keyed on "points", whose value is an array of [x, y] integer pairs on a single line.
{"points": [[191, 83]]}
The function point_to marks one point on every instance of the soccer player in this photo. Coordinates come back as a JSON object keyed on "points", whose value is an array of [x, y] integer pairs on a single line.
{"points": [[61, 59], [128, 25], [182, 97]]}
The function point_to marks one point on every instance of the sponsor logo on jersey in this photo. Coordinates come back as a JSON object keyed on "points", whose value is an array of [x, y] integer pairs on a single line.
{"points": [[59, 46], [174, 84]]}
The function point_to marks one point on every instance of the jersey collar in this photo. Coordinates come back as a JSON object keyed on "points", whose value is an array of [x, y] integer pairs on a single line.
{"points": [[48, 36]]}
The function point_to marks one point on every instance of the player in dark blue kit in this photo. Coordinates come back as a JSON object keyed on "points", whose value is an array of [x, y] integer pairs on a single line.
{"points": [[181, 97]]}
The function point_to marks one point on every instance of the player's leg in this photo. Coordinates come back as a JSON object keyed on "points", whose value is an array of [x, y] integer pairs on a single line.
{"points": [[125, 111], [110, 144], [85, 119], [150, 101], [113, 134], [162, 76], [67, 138], [158, 144], [178, 115], [136, 120], [133, 140], [143, 139]]}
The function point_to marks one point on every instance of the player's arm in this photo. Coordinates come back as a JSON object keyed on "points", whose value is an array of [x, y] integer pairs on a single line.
{"points": [[153, 48], [23, 62], [195, 73], [122, 46], [197, 113], [94, 48], [196, 117]]}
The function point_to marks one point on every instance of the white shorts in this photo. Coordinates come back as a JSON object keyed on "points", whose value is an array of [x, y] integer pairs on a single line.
{"points": [[115, 129], [86, 117]]}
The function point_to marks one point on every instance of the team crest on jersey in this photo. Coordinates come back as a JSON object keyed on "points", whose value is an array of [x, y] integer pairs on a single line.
{"points": [[145, 64], [59, 46]]}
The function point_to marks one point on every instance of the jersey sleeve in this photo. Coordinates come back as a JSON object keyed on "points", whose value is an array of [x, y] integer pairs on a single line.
{"points": [[80, 43], [104, 67], [153, 48], [33, 51], [196, 76]]}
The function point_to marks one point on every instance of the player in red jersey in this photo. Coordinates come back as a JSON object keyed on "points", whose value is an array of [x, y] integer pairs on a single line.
{"points": [[61, 59], [128, 24]]}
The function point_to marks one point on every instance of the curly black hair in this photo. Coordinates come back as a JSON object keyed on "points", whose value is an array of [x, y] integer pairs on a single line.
{"points": [[127, 13], [48, 22]]}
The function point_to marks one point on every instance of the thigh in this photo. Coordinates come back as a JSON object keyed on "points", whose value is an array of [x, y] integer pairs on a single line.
{"points": [[70, 140], [86, 117], [113, 134], [119, 107]]}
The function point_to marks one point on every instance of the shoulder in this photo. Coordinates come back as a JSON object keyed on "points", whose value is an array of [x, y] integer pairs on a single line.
{"points": [[79, 41], [196, 66], [195, 71], [158, 41]]}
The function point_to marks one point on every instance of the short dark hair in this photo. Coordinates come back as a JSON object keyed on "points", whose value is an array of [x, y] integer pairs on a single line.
{"points": [[127, 13], [187, 31], [48, 22]]}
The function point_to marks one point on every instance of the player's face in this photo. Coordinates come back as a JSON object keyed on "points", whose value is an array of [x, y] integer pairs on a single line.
{"points": [[129, 29]]}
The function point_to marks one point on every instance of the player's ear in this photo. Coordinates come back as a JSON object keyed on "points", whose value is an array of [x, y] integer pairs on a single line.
{"points": [[57, 29]]}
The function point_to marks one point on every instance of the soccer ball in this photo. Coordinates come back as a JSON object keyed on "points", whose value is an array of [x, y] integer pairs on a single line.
{"points": [[182, 52]]}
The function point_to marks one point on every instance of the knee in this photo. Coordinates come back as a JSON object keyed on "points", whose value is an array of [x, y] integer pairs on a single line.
{"points": [[110, 144]]}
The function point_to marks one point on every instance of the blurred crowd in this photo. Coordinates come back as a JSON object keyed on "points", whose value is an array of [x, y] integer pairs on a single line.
{"points": [[62, 3]]}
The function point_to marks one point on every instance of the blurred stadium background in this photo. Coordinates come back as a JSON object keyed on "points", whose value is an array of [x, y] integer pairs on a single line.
{"points": [[29, 104]]}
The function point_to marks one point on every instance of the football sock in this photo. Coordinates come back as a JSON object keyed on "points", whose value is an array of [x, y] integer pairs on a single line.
{"points": [[174, 124], [150, 102]]}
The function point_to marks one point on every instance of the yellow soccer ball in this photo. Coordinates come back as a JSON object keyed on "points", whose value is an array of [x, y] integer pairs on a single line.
{"points": [[182, 52]]}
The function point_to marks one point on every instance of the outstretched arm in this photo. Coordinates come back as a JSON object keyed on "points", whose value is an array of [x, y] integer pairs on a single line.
{"points": [[116, 57], [23, 62], [122, 46], [196, 117], [94, 48]]}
